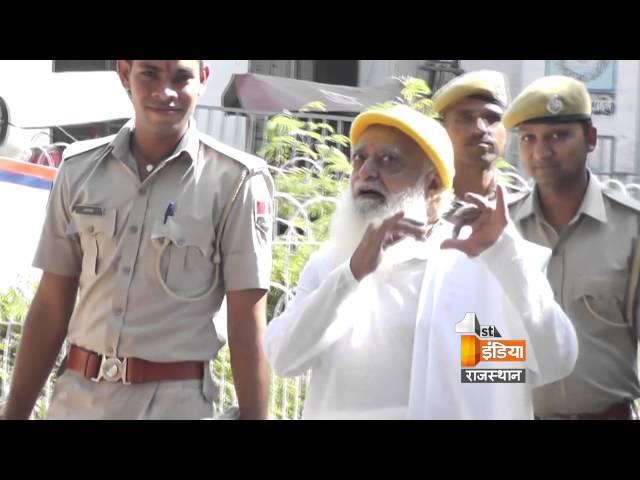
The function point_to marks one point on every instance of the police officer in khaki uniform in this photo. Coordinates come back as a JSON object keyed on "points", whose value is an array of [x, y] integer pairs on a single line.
{"points": [[152, 227], [471, 108], [593, 232]]}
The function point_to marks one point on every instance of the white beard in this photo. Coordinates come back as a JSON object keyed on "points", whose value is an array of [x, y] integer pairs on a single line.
{"points": [[346, 231], [349, 224]]}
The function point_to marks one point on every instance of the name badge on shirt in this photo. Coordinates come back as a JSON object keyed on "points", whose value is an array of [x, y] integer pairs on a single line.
{"points": [[88, 209]]}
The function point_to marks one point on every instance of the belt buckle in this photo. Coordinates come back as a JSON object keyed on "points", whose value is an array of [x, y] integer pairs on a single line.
{"points": [[112, 369]]}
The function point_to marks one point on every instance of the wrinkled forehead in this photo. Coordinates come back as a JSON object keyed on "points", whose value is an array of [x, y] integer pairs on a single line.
{"points": [[385, 136], [475, 105]]}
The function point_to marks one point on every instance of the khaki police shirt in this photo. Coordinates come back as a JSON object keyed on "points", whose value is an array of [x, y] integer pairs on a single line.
{"points": [[107, 227], [588, 272]]}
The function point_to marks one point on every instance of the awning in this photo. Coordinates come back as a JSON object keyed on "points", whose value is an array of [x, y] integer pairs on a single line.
{"points": [[273, 94]]}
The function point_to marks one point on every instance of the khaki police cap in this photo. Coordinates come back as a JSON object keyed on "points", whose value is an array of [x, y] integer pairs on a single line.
{"points": [[430, 136], [553, 99], [487, 83]]}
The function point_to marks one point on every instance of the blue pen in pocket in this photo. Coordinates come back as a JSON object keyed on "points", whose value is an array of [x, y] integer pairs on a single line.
{"points": [[169, 212]]}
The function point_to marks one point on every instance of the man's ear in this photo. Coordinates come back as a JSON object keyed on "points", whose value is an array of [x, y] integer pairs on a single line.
{"points": [[592, 138], [205, 73], [434, 182], [124, 72]]}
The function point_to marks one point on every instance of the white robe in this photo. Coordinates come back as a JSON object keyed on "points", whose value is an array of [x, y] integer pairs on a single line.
{"points": [[505, 286], [367, 363]]}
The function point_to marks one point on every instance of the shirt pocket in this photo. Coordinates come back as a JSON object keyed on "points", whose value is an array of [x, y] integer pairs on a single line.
{"points": [[186, 262], [96, 234], [601, 298]]}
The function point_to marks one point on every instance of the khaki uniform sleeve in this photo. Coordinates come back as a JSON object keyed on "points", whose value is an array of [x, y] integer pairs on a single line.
{"points": [[247, 237], [59, 250]]}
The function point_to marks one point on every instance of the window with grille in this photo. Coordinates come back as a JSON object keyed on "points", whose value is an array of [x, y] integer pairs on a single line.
{"points": [[438, 72]]}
